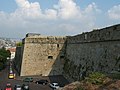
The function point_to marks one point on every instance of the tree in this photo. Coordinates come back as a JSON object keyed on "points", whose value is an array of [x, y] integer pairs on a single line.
{"points": [[4, 54], [19, 44], [1, 66], [8, 53]]}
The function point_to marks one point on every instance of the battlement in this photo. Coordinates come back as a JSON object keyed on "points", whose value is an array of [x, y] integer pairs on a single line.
{"points": [[32, 34], [45, 39], [105, 34]]}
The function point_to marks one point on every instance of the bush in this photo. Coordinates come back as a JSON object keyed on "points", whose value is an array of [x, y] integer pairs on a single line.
{"points": [[96, 78], [79, 88]]}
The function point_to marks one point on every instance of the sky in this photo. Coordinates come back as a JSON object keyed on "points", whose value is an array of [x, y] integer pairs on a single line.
{"points": [[56, 17]]}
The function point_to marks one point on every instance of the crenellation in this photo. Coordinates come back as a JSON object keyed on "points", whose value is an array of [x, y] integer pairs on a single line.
{"points": [[45, 40], [106, 34]]}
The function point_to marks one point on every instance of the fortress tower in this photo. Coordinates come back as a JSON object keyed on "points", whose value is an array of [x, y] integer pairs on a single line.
{"points": [[42, 55]]}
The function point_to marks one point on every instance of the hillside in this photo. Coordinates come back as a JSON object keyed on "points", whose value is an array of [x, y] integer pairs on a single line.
{"points": [[6, 42]]}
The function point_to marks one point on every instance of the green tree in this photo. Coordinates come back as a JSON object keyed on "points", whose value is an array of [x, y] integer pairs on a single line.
{"points": [[1, 66], [4, 54], [19, 44], [8, 53]]}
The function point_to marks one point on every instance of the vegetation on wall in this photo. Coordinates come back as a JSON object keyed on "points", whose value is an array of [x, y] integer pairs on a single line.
{"points": [[19, 44]]}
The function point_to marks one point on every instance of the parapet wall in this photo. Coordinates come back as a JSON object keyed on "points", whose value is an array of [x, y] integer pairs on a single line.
{"points": [[98, 50], [108, 33], [45, 39]]}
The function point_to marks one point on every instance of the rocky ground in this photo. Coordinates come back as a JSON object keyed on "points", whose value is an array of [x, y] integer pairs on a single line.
{"points": [[106, 84]]}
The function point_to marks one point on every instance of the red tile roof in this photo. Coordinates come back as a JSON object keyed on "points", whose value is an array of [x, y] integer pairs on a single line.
{"points": [[12, 49]]}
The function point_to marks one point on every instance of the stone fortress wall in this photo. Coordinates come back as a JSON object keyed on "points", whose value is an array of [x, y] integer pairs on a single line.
{"points": [[42, 55], [18, 58], [98, 50], [72, 56]]}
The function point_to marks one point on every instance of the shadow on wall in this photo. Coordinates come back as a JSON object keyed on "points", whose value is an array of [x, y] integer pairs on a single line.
{"points": [[18, 59], [56, 73], [96, 51], [60, 79], [57, 67]]}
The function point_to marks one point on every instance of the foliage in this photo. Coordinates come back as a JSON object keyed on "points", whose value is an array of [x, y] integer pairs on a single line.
{"points": [[96, 78], [79, 88], [4, 54], [19, 44], [8, 53], [1, 66]]}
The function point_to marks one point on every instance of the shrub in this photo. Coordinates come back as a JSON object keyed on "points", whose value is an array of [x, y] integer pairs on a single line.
{"points": [[96, 78], [79, 88]]}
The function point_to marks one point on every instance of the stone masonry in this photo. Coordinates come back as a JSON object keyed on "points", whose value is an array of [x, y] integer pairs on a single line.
{"points": [[71, 56], [98, 50], [42, 55]]}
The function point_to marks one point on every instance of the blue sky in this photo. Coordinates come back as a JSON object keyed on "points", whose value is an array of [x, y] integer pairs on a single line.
{"points": [[10, 5], [56, 17]]}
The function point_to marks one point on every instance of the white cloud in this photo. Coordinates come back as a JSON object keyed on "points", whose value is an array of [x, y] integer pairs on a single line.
{"points": [[92, 8], [65, 18], [65, 9], [23, 3], [114, 12], [27, 9], [51, 14], [68, 9]]}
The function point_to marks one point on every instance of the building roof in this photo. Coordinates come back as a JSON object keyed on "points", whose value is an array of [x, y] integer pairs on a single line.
{"points": [[12, 49]]}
